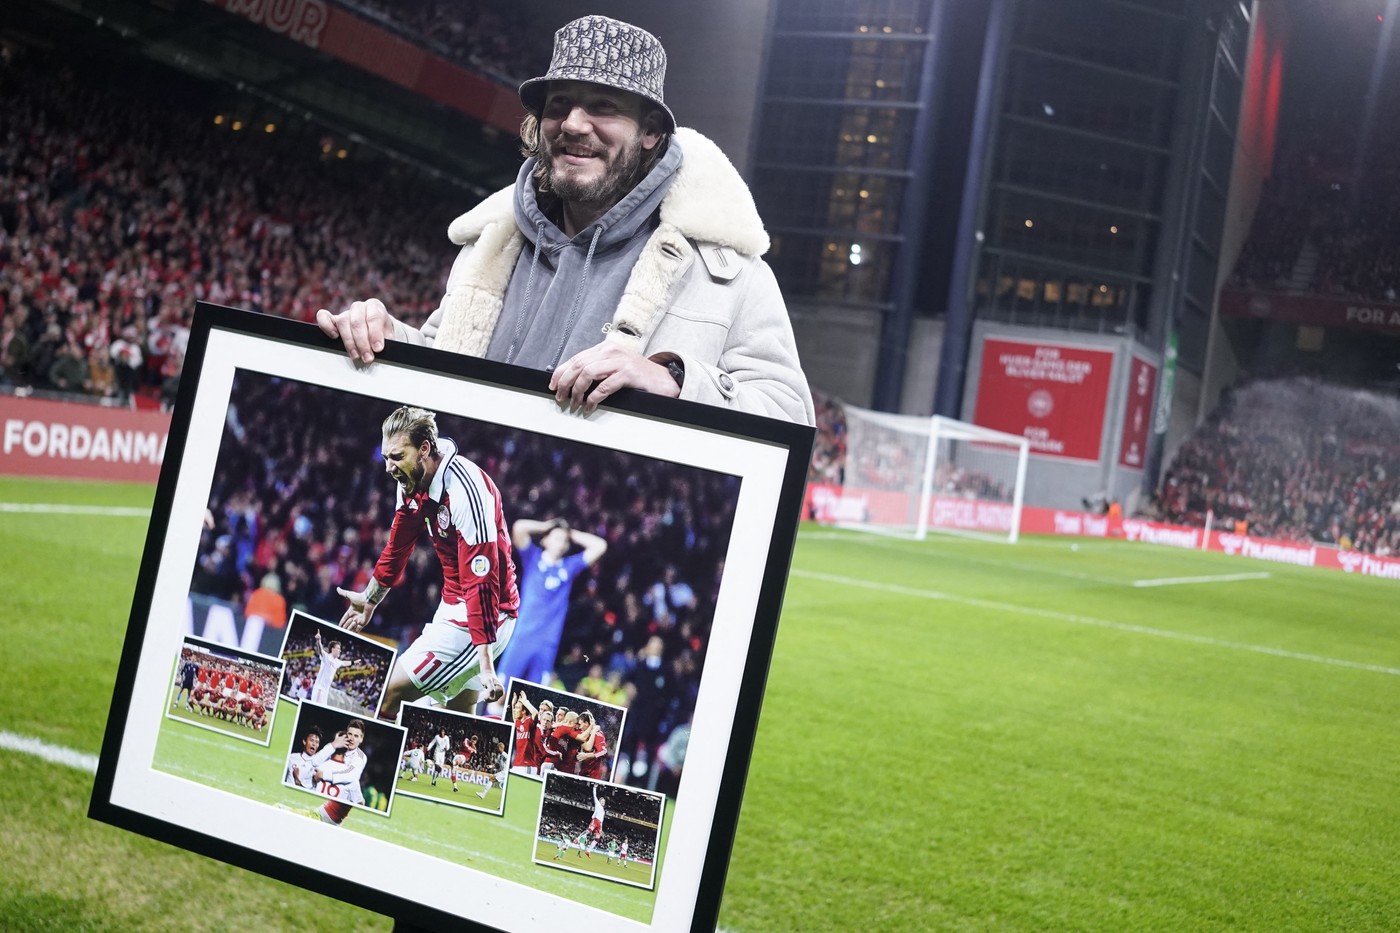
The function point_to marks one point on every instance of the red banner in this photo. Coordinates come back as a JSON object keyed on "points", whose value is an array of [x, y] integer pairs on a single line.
{"points": [[838, 505], [1350, 313], [42, 438], [336, 32], [1052, 394], [1137, 414]]}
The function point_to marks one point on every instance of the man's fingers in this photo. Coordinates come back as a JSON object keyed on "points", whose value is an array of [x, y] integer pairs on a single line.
{"points": [[348, 594], [326, 321], [358, 338]]}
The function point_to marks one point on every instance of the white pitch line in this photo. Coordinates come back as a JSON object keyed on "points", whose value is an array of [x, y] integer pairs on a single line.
{"points": [[1098, 623], [1222, 578], [54, 754], [51, 508]]}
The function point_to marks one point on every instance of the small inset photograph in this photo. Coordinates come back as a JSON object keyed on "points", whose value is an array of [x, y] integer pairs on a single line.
{"points": [[604, 830], [329, 665], [559, 731], [454, 758], [348, 760], [225, 690]]}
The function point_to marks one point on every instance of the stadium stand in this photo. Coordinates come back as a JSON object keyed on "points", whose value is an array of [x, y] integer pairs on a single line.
{"points": [[487, 35], [120, 208], [1294, 459]]}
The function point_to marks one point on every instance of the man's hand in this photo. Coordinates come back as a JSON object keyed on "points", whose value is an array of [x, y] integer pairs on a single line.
{"points": [[491, 689], [363, 327], [587, 378], [358, 615]]}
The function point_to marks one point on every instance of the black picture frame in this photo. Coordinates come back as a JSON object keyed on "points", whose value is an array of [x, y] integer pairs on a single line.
{"points": [[243, 370]]}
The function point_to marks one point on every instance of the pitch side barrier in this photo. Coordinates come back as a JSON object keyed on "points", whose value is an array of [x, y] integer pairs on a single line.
{"points": [[837, 505], [40, 437]]}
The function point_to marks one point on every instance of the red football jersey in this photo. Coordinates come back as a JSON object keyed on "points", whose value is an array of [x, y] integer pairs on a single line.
{"points": [[461, 511]]}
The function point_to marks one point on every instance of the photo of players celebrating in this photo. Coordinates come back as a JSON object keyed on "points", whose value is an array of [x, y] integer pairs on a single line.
{"points": [[599, 829], [225, 690], [454, 758], [566, 732], [333, 667], [344, 758]]}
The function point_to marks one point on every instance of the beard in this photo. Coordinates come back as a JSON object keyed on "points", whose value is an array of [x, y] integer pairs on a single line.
{"points": [[412, 478], [618, 178]]}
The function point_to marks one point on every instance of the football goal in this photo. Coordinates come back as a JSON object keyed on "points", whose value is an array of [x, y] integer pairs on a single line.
{"points": [[913, 475]]}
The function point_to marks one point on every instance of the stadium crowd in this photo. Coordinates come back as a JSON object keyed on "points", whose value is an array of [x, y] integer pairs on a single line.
{"points": [[1293, 459], [489, 36], [1314, 199], [639, 621], [120, 207]]}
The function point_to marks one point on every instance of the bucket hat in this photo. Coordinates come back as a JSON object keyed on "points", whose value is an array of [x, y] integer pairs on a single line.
{"points": [[607, 52]]}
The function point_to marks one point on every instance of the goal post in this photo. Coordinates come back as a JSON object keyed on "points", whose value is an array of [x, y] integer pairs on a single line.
{"points": [[917, 474]]}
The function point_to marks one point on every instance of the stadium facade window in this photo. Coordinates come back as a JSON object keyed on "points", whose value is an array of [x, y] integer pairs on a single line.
{"points": [[823, 67], [871, 17], [836, 135], [1025, 291], [826, 200], [1117, 39], [832, 168]]}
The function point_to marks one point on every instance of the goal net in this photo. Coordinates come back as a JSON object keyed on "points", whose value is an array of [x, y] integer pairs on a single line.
{"points": [[913, 475]]}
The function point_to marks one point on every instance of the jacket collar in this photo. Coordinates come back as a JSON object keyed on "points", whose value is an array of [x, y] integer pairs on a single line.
{"points": [[708, 201]]}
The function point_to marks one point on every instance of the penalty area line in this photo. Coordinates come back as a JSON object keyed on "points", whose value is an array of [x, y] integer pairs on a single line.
{"points": [[53, 754], [52, 508], [1097, 623], [1221, 578]]}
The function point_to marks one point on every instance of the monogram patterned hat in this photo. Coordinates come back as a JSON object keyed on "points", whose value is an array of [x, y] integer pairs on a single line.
{"points": [[607, 52]]}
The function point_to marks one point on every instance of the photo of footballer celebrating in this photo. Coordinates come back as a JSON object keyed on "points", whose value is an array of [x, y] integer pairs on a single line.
{"points": [[224, 689], [454, 758], [559, 731], [332, 667], [348, 760], [599, 829]]}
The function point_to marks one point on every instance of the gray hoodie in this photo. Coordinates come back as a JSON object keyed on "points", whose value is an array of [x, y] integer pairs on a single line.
{"points": [[562, 291]]}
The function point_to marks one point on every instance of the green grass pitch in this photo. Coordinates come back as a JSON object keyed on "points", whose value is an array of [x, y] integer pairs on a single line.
{"points": [[956, 735], [599, 863]]}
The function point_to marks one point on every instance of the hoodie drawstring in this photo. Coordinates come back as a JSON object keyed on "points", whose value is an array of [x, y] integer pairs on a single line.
{"points": [[529, 289], [578, 297]]}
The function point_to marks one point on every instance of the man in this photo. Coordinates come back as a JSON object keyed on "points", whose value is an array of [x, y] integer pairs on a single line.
{"points": [[299, 764], [626, 255], [411, 765], [336, 770], [501, 762], [531, 725], [450, 498], [593, 750], [185, 684], [438, 749], [547, 573], [331, 662], [594, 833], [462, 759]]}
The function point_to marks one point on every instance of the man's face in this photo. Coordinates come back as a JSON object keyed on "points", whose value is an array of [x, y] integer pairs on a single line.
{"points": [[353, 738], [555, 542], [593, 141], [311, 743], [404, 462]]}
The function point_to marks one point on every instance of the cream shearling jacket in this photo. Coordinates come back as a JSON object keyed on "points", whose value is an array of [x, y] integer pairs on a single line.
{"points": [[699, 292]]}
